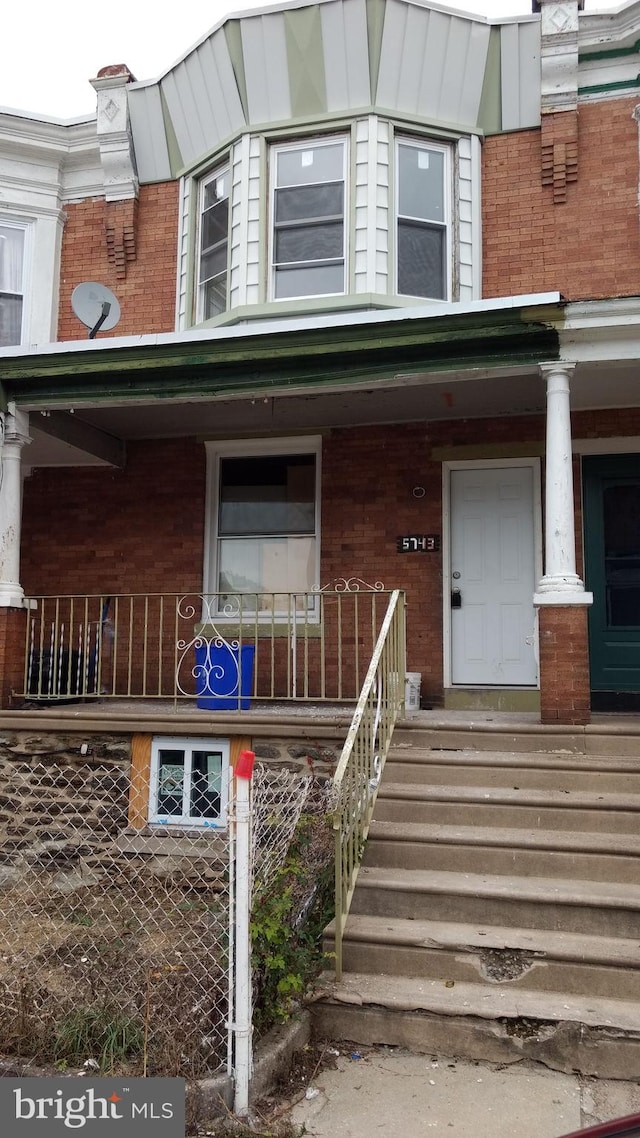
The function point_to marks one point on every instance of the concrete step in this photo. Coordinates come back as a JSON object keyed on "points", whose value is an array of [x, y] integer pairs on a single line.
{"points": [[592, 1035], [612, 738], [545, 853], [574, 964], [491, 769], [591, 907], [567, 809]]}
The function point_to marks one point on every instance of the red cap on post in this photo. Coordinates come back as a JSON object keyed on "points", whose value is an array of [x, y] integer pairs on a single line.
{"points": [[244, 766]]}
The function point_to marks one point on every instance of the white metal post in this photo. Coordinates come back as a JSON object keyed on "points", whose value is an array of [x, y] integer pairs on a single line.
{"points": [[243, 1010]]}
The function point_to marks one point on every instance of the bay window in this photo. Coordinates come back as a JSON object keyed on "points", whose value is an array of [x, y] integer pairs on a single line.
{"points": [[12, 248], [423, 220], [308, 252]]}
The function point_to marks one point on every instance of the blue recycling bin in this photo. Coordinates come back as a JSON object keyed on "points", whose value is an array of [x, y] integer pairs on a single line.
{"points": [[224, 676]]}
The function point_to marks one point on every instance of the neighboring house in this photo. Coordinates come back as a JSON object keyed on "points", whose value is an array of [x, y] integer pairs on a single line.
{"points": [[369, 254]]}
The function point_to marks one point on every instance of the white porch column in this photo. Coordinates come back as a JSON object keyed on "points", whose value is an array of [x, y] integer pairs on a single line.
{"points": [[14, 434], [560, 584]]}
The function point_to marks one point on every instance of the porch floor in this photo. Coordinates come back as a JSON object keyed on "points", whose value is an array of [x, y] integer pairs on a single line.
{"points": [[273, 717]]}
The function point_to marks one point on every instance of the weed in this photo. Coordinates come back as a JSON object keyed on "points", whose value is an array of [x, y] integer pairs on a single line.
{"points": [[99, 1032]]}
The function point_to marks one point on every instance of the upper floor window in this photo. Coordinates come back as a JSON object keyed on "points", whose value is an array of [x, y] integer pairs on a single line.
{"points": [[423, 220], [12, 247], [214, 241], [308, 250]]}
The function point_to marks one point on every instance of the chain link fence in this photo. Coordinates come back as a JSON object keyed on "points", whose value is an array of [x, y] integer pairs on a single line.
{"points": [[114, 947]]}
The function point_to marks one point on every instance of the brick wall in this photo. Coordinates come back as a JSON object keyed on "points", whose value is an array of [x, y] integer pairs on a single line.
{"points": [[147, 291], [585, 247], [141, 529], [564, 665]]}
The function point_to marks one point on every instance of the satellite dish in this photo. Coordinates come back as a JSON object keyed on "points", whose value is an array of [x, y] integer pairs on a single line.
{"points": [[95, 306]]}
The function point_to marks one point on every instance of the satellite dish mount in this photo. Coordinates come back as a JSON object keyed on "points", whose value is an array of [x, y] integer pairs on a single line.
{"points": [[95, 306]]}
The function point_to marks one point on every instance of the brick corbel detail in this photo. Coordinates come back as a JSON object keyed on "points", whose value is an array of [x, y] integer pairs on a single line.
{"points": [[560, 153], [121, 233]]}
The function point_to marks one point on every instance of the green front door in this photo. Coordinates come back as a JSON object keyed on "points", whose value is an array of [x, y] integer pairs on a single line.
{"points": [[612, 568]]}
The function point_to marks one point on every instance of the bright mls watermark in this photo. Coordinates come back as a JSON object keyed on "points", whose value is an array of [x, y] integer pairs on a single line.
{"points": [[126, 1108]]}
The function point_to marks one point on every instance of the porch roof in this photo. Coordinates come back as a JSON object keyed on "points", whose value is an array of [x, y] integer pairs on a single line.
{"points": [[281, 356]]}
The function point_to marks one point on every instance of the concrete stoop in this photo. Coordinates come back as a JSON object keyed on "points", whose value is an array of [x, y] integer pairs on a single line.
{"points": [[497, 913]]}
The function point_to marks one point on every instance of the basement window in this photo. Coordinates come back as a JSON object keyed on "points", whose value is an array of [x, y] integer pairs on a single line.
{"points": [[189, 783]]}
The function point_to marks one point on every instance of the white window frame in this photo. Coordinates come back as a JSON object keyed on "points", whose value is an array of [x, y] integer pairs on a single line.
{"points": [[222, 168], [308, 144], [254, 448], [24, 227], [188, 745], [445, 149]]}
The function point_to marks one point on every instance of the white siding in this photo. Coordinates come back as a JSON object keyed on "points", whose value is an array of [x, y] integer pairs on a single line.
{"points": [[182, 321], [244, 257], [520, 75], [372, 215]]}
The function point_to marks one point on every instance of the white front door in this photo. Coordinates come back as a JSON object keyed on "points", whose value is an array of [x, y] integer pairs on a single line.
{"points": [[493, 574]]}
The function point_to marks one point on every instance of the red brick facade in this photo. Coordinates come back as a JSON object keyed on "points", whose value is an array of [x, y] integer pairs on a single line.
{"points": [[531, 244], [94, 231], [564, 665]]}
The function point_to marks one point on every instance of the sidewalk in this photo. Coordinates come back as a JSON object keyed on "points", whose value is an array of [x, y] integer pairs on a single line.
{"points": [[388, 1091]]}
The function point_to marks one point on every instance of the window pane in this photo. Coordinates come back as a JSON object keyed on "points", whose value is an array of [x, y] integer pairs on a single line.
{"points": [[320, 280], [11, 258], [10, 320], [213, 263], [170, 782], [267, 495], [621, 510], [215, 225], [308, 202], [421, 267], [206, 784], [421, 183], [216, 190], [309, 243], [215, 297], [308, 164], [266, 565]]}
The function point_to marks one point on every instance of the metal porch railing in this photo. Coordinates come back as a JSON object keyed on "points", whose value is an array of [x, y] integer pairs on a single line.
{"points": [[361, 763], [223, 650]]}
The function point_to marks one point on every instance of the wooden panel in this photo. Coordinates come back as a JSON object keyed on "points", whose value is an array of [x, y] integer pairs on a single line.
{"points": [[139, 786], [238, 743]]}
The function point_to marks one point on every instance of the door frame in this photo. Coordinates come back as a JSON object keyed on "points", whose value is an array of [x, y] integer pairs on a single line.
{"points": [[484, 464]]}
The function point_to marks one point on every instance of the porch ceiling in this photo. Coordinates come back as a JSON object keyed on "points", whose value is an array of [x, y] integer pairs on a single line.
{"points": [[477, 395]]}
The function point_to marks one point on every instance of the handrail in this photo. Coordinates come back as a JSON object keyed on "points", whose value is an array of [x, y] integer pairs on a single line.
{"points": [[361, 763]]}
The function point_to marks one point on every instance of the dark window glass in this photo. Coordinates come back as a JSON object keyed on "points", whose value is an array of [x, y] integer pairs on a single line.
{"points": [[206, 784], [421, 260], [621, 505], [267, 495], [170, 782], [10, 320], [309, 243], [305, 202]]}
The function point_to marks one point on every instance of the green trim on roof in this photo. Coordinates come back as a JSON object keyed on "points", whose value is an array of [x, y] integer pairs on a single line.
{"points": [[610, 53], [622, 85], [376, 10], [309, 359], [490, 108], [233, 36], [305, 59], [176, 161]]}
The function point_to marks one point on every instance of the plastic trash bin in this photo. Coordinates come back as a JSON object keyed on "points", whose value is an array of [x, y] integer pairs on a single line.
{"points": [[224, 676]]}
